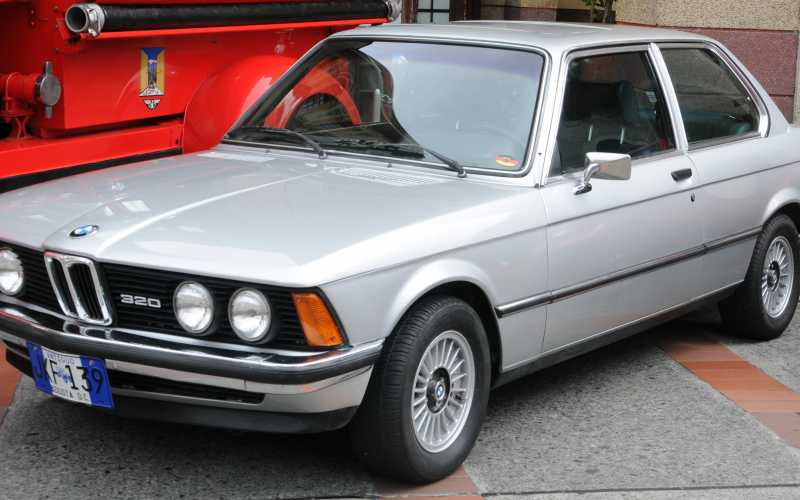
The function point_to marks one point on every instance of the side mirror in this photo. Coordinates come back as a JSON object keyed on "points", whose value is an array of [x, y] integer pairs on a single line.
{"points": [[609, 166]]}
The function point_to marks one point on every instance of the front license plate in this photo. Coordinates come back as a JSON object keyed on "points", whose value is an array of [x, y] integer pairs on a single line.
{"points": [[75, 378]]}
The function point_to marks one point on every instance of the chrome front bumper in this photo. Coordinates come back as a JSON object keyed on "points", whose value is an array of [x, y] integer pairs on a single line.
{"points": [[290, 382]]}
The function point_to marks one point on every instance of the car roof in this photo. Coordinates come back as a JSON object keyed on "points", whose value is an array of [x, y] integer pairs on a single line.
{"points": [[552, 36]]}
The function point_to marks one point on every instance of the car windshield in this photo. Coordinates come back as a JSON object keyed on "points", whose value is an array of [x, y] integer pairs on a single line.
{"points": [[463, 106]]}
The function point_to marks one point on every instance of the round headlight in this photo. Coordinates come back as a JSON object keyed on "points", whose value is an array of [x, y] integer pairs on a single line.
{"points": [[11, 274], [194, 307], [250, 315]]}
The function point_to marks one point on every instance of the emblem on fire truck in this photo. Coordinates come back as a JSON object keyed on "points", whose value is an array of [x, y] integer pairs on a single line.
{"points": [[152, 75]]}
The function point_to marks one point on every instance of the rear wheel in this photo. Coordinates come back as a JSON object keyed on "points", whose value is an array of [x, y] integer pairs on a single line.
{"points": [[764, 304], [428, 394]]}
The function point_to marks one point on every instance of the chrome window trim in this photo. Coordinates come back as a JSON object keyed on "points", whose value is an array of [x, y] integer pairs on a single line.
{"points": [[673, 106], [764, 119], [548, 176], [712, 143], [533, 138], [67, 262]]}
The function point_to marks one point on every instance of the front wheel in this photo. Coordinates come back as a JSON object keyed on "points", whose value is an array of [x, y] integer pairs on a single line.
{"points": [[764, 304], [428, 394]]}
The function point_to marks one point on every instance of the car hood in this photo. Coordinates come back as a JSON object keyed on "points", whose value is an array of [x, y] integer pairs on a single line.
{"points": [[280, 218]]}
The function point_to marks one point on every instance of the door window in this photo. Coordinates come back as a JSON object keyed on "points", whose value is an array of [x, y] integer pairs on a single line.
{"points": [[613, 103], [713, 101]]}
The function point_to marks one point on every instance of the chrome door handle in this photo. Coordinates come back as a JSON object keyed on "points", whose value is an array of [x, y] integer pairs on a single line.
{"points": [[682, 174]]}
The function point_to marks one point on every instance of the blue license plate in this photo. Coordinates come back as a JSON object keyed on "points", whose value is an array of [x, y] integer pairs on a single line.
{"points": [[75, 378]]}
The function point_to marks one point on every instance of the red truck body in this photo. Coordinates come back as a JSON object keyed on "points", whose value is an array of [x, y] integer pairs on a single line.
{"points": [[145, 90]]}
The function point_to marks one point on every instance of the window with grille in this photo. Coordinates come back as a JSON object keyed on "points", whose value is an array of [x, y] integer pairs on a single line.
{"points": [[433, 11]]}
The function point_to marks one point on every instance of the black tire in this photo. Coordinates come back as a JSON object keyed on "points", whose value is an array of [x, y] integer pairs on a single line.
{"points": [[382, 431], [744, 313]]}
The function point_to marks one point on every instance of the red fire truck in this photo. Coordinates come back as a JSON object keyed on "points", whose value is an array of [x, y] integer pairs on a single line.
{"points": [[88, 85]]}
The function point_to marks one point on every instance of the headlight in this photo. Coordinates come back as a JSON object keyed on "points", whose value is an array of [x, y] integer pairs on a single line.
{"points": [[194, 307], [11, 274], [250, 315]]}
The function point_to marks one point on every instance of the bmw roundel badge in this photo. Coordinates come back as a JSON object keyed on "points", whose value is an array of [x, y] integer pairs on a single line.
{"points": [[81, 231]]}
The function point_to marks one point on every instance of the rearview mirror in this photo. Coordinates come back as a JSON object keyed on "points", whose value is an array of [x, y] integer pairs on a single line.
{"points": [[608, 166]]}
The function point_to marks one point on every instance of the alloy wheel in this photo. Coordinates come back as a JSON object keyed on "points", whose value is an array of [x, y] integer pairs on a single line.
{"points": [[777, 277], [443, 391]]}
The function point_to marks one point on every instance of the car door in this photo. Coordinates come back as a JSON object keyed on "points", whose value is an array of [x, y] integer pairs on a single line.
{"points": [[725, 124], [627, 249]]}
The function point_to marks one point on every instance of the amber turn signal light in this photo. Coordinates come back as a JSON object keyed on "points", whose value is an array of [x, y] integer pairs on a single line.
{"points": [[318, 324]]}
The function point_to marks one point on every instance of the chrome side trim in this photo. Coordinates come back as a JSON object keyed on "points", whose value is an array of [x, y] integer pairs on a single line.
{"points": [[606, 337], [600, 281], [522, 304], [735, 238]]}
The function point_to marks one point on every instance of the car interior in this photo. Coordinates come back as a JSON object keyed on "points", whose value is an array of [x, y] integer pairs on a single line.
{"points": [[612, 104]]}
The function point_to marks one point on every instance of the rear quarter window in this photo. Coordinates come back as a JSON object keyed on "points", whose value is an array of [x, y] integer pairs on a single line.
{"points": [[714, 103]]}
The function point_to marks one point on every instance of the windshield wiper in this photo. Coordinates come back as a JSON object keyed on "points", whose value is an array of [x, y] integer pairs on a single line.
{"points": [[292, 133], [403, 148], [453, 164]]}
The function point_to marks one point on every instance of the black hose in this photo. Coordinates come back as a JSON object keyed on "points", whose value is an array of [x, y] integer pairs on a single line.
{"points": [[151, 17]]}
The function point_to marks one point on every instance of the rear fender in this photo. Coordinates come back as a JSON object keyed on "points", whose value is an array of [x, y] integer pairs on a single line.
{"points": [[225, 96], [789, 195]]}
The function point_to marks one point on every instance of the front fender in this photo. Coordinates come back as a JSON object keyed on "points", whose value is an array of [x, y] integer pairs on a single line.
{"points": [[506, 269], [371, 305], [433, 275]]}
